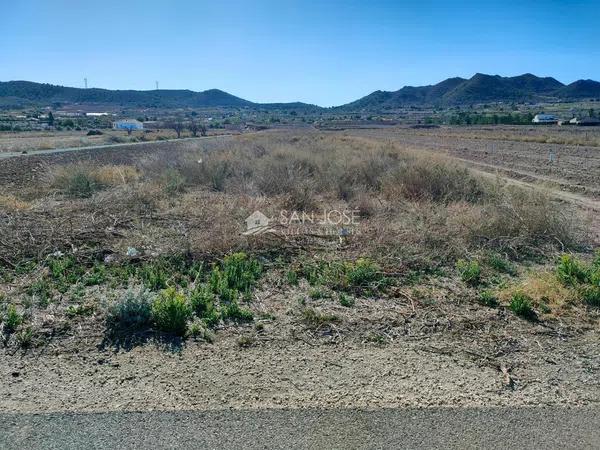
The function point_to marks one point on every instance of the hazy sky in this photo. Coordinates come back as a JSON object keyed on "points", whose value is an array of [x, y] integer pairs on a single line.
{"points": [[323, 52]]}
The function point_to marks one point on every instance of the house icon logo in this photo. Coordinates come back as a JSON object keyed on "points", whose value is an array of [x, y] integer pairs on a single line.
{"points": [[257, 223]]}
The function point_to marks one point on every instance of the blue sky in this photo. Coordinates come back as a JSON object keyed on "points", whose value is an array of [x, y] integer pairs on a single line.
{"points": [[322, 52]]}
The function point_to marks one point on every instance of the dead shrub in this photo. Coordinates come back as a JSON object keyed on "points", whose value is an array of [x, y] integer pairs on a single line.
{"points": [[430, 179]]}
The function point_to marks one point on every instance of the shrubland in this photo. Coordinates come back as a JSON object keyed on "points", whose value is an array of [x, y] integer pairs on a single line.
{"points": [[157, 246]]}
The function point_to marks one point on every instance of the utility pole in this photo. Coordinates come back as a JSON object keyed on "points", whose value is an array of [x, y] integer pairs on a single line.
{"points": [[85, 82], [157, 85]]}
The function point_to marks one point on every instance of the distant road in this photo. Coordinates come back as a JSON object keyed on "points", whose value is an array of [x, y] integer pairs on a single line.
{"points": [[487, 428], [5, 155]]}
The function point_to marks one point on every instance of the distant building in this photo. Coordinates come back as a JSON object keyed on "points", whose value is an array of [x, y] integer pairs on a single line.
{"points": [[585, 121], [128, 124], [96, 114], [544, 118]]}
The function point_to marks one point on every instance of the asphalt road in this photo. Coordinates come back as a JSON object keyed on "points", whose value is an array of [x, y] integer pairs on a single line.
{"points": [[491, 428]]}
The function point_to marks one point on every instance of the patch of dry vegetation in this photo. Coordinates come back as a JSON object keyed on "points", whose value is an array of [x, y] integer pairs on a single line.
{"points": [[419, 214]]}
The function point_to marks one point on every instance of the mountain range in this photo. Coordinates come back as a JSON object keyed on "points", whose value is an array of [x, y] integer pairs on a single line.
{"points": [[480, 88]]}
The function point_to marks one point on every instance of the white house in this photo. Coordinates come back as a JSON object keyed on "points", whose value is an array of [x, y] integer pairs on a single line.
{"points": [[544, 118], [128, 124]]}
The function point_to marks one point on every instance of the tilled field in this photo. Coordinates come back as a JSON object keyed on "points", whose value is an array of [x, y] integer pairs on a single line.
{"points": [[516, 151]]}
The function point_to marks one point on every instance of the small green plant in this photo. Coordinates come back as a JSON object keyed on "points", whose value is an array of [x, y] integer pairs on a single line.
{"points": [[375, 337], [79, 310], [241, 272], [65, 271], [470, 271], [41, 291], [246, 341], [12, 319], [314, 319], [171, 311], [154, 276], [96, 276], [502, 265], [81, 184], [316, 293], [173, 181], [521, 305], [25, 337], [132, 313], [571, 271], [346, 300], [292, 277], [197, 329], [487, 298], [591, 295], [362, 273], [233, 312]]}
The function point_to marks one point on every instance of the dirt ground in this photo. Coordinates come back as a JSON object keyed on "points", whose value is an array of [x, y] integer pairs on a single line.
{"points": [[425, 357]]}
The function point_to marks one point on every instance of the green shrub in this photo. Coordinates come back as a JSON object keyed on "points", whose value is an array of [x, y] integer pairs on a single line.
{"points": [[12, 318], [154, 276], [487, 298], [571, 271], [25, 337], [65, 271], [591, 295], [202, 301], [132, 313], [171, 311], [346, 300], [470, 271], [521, 305], [173, 182], [40, 290], [362, 273], [233, 312], [241, 272], [317, 293], [79, 184], [292, 277], [500, 264]]}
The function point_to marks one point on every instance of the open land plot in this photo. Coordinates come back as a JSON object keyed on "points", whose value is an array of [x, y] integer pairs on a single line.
{"points": [[34, 141], [563, 157], [129, 282]]}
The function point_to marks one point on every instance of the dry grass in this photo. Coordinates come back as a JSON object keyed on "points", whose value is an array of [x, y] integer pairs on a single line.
{"points": [[415, 208], [12, 203], [548, 294]]}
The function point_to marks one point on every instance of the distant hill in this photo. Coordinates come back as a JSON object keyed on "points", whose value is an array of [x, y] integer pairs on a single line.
{"points": [[27, 93], [480, 88], [580, 89]]}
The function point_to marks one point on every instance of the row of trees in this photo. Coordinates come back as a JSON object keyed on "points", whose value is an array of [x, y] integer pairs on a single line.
{"points": [[195, 128], [467, 118]]}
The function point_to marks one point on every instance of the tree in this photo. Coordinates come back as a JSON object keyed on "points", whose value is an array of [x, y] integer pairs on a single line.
{"points": [[194, 128], [202, 130], [177, 125], [51, 119]]}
